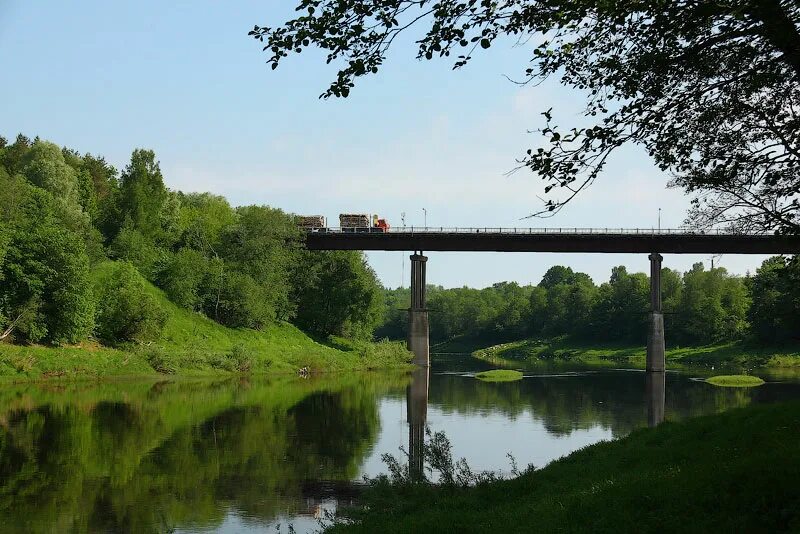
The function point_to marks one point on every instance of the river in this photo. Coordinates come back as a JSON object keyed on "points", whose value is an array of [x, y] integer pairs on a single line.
{"points": [[263, 454]]}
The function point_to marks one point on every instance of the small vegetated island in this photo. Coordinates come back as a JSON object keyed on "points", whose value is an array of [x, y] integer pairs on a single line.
{"points": [[499, 375], [735, 381]]}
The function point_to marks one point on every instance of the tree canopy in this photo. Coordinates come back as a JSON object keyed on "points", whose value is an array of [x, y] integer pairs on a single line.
{"points": [[709, 90]]}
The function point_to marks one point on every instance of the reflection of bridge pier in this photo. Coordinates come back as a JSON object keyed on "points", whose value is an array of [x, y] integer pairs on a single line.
{"points": [[655, 386], [418, 313], [417, 414]]}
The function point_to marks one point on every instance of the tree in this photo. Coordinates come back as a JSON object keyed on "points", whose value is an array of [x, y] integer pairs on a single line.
{"points": [[337, 293], [713, 306], [143, 194], [262, 244], [775, 292], [44, 166], [46, 292], [709, 90]]}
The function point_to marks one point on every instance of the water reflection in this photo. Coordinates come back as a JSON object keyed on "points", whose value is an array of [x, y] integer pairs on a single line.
{"points": [[655, 386], [245, 455], [417, 411]]}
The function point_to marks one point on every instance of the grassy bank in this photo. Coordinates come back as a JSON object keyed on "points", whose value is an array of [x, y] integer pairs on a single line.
{"points": [[192, 344], [733, 354], [736, 471]]}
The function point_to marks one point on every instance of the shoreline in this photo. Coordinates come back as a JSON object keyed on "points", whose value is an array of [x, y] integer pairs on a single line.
{"points": [[736, 354]]}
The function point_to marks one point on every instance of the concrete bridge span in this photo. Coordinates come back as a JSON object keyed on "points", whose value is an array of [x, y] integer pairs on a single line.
{"points": [[586, 240]]}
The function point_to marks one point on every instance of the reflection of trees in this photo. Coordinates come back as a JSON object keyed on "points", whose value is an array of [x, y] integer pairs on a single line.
{"points": [[612, 400], [144, 458]]}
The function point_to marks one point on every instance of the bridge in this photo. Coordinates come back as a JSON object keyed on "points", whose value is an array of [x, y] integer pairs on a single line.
{"points": [[653, 242]]}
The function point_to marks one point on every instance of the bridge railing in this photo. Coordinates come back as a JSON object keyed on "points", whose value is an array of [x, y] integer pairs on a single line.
{"points": [[528, 231]]}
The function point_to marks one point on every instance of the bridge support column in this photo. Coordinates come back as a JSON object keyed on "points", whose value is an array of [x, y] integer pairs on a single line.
{"points": [[418, 313], [655, 324]]}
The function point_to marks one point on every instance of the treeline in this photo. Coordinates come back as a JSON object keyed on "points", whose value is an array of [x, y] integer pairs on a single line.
{"points": [[62, 213], [700, 306]]}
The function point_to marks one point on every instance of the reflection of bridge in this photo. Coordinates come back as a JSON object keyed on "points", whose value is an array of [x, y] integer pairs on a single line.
{"points": [[591, 240]]}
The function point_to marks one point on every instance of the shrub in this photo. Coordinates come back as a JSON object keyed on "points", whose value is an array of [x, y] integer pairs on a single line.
{"points": [[242, 358], [182, 277], [160, 361], [126, 312]]}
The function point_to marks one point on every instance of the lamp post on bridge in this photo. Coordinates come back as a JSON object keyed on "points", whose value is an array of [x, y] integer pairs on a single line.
{"points": [[659, 219], [425, 217]]}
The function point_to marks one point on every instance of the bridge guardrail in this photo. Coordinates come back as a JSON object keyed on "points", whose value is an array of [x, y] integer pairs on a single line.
{"points": [[534, 231]]}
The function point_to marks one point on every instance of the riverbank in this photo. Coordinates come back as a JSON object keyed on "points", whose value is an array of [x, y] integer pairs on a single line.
{"points": [[733, 354], [735, 471], [193, 345]]}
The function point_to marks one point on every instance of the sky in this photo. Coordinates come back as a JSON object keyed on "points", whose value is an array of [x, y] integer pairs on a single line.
{"points": [[184, 79]]}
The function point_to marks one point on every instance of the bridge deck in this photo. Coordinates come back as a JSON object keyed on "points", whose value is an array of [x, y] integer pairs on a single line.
{"points": [[600, 240]]}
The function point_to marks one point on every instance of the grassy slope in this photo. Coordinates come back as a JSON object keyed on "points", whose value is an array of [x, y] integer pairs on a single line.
{"points": [[193, 344], [734, 354], [733, 472]]}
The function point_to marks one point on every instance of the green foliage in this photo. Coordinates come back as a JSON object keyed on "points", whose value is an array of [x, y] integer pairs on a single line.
{"points": [[143, 195], [46, 293], [183, 276], [44, 166], [261, 246], [337, 293], [132, 246], [775, 292], [126, 312]]}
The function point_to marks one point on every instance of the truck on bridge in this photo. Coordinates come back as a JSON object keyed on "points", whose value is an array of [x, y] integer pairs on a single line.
{"points": [[360, 222], [348, 222]]}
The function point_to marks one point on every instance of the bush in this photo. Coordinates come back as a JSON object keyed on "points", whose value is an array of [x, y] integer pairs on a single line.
{"points": [[160, 361], [242, 358], [242, 303], [182, 277], [126, 312]]}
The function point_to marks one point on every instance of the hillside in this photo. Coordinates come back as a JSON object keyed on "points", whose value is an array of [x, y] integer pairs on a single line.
{"points": [[192, 344]]}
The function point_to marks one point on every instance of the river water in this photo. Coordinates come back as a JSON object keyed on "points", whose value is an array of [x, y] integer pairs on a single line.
{"points": [[264, 454]]}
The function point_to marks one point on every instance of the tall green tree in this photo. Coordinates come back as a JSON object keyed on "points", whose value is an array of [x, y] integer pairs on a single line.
{"points": [[337, 292], [46, 292], [775, 292], [143, 194]]}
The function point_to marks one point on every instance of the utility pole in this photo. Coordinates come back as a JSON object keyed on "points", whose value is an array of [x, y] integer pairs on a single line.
{"points": [[403, 255]]}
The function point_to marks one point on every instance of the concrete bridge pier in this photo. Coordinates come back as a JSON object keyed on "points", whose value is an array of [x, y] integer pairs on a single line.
{"points": [[418, 313], [655, 325]]}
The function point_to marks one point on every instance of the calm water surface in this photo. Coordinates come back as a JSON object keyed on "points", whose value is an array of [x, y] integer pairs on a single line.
{"points": [[249, 455]]}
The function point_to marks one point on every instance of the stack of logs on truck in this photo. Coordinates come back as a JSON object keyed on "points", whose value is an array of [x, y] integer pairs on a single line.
{"points": [[348, 222]]}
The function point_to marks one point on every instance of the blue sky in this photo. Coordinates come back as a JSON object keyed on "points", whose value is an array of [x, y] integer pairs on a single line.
{"points": [[184, 79]]}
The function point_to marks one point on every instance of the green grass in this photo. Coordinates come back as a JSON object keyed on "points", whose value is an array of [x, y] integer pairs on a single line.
{"points": [[733, 354], [192, 344], [499, 375], [732, 472], [735, 381]]}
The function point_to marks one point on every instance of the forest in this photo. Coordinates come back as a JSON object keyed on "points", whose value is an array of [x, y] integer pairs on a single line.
{"points": [[700, 307], [79, 240]]}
